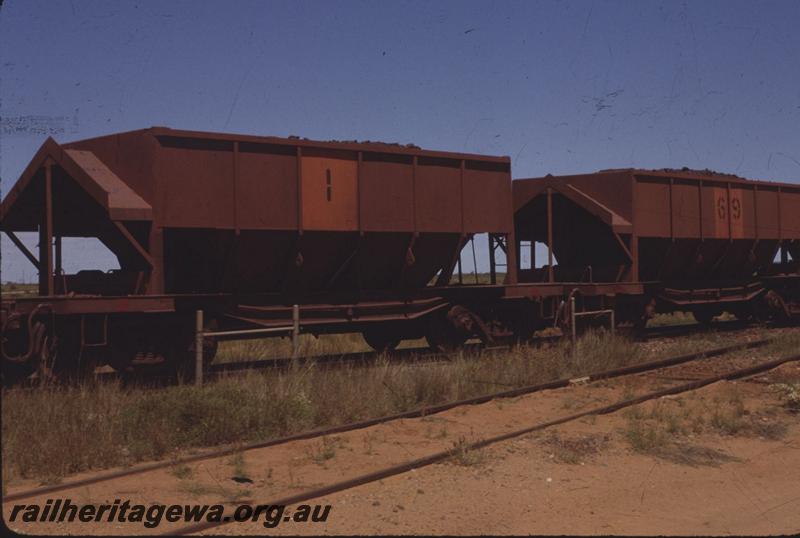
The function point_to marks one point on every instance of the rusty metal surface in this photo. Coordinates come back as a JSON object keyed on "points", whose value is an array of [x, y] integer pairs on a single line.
{"points": [[329, 192], [243, 182], [714, 209], [210, 212], [93, 177], [270, 213], [388, 182], [558, 289], [700, 202], [120, 200], [664, 225], [66, 305]]}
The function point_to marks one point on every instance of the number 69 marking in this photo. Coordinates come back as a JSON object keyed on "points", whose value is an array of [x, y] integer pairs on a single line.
{"points": [[722, 209]]}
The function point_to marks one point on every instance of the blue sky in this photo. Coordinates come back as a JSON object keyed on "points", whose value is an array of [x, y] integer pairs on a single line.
{"points": [[561, 87]]}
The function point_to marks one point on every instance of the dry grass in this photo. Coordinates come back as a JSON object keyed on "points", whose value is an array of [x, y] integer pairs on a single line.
{"points": [[786, 344], [462, 454], [664, 428], [12, 290], [324, 449], [51, 433], [181, 471], [238, 464], [790, 394], [665, 438], [574, 450]]}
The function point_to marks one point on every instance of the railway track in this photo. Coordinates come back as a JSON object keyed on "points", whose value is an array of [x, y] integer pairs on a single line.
{"points": [[423, 355], [416, 413], [443, 455], [415, 356], [667, 331]]}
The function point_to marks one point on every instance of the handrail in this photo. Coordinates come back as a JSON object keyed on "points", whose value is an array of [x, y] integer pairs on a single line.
{"points": [[200, 335]]}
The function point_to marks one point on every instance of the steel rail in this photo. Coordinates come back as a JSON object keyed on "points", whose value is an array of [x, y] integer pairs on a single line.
{"points": [[415, 413], [424, 353], [665, 331], [415, 356], [326, 360], [420, 355], [445, 454]]}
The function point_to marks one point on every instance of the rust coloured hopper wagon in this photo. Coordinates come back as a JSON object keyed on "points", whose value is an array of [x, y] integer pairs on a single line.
{"points": [[695, 240], [363, 236]]}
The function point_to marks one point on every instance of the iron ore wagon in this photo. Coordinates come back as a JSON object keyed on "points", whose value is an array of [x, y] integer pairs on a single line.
{"points": [[362, 236], [367, 237], [682, 240]]}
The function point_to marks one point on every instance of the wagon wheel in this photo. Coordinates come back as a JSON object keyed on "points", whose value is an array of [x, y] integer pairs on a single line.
{"points": [[703, 316], [381, 339], [121, 356], [128, 343], [744, 312], [772, 307], [524, 326], [522, 333], [13, 372], [447, 332], [442, 338]]}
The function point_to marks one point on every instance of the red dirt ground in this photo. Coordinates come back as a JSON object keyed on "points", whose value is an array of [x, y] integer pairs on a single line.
{"points": [[747, 485]]}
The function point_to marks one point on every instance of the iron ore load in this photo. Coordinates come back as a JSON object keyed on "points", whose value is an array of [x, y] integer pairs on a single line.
{"points": [[370, 238]]}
